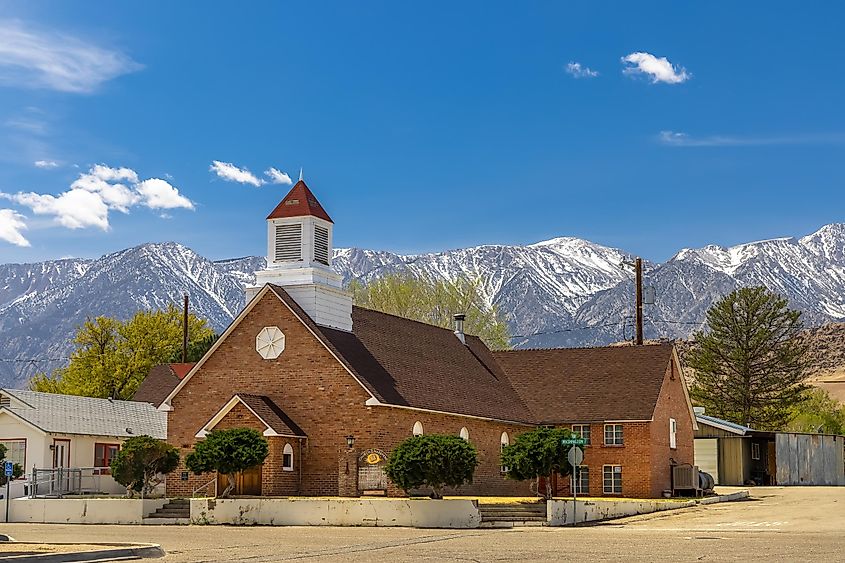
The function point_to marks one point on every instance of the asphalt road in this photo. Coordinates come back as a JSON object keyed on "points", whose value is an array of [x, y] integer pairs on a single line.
{"points": [[778, 524]]}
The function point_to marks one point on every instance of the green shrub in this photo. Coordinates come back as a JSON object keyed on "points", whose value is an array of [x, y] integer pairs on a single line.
{"points": [[434, 461], [141, 463], [228, 452]]}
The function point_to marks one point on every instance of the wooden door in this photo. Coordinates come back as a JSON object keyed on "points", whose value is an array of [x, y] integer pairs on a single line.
{"points": [[61, 453], [247, 483], [772, 466]]}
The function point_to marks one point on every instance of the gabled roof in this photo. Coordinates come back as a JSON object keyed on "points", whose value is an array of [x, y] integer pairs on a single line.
{"points": [[722, 424], [588, 384], [70, 414], [161, 380], [299, 202], [276, 422]]}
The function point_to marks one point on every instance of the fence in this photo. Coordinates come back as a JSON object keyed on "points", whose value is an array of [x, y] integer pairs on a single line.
{"points": [[62, 481]]}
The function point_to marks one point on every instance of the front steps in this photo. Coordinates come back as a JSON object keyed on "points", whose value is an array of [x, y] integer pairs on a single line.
{"points": [[513, 515], [176, 511]]}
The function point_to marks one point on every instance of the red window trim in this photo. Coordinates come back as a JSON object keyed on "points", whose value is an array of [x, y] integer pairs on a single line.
{"points": [[107, 465]]}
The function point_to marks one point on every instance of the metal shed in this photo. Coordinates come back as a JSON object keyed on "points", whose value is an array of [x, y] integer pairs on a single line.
{"points": [[739, 455]]}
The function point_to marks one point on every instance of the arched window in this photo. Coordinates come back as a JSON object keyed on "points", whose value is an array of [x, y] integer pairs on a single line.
{"points": [[504, 441], [465, 434], [287, 458], [418, 429]]}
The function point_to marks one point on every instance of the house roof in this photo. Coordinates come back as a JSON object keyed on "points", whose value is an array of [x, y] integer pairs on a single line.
{"points": [[270, 413], [299, 202], [71, 414], [160, 382], [588, 384], [726, 425]]}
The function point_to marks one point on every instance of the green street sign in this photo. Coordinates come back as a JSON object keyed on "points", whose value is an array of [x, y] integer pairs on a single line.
{"points": [[573, 442]]}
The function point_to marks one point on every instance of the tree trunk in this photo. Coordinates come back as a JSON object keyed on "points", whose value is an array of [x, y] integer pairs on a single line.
{"points": [[230, 487]]}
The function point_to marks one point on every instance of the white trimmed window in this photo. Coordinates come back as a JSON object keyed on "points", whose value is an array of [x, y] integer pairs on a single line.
{"points": [[418, 428], [582, 481], [583, 431], [503, 442], [612, 480], [287, 458], [288, 246], [755, 450], [673, 433], [15, 451], [613, 435], [464, 434]]}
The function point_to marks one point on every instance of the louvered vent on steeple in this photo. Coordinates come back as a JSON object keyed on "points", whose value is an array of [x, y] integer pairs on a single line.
{"points": [[288, 243], [5, 401], [321, 245]]}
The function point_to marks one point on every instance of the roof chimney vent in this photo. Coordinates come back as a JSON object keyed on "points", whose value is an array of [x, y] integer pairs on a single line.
{"points": [[459, 327]]}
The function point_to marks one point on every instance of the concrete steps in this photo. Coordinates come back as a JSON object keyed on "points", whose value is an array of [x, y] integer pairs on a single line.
{"points": [[513, 515], [177, 511]]}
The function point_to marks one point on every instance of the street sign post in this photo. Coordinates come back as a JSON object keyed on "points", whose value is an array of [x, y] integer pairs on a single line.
{"points": [[575, 457], [573, 442], [9, 470]]}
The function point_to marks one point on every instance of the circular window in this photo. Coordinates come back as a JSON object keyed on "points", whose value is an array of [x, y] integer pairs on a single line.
{"points": [[270, 342]]}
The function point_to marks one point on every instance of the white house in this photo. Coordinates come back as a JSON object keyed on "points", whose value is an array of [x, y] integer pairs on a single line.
{"points": [[47, 431]]}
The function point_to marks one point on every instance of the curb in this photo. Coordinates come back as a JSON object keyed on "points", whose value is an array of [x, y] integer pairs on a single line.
{"points": [[118, 551], [739, 495]]}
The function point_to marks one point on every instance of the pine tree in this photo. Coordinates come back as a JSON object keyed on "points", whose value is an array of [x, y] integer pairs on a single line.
{"points": [[750, 365]]}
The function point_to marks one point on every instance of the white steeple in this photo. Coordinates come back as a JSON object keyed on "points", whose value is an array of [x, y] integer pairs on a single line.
{"points": [[299, 255]]}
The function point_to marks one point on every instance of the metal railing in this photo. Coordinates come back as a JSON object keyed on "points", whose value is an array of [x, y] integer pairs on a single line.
{"points": [[63, 481], [206, 488]]}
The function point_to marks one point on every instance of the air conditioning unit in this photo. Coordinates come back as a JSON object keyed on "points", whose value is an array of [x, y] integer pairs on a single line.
{"points": [[685, 478]]}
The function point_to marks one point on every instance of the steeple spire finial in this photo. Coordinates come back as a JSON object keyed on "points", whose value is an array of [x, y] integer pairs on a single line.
{"points": [[300, 173]]}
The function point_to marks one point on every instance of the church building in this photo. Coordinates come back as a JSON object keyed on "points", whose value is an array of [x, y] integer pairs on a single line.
{"points": [[335, 387]]}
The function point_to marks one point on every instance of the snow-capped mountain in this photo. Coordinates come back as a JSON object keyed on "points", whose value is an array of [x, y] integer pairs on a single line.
{"points": [[561, 292]]}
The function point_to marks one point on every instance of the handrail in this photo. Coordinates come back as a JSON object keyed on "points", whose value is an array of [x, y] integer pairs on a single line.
{"points": [[201, 487]]}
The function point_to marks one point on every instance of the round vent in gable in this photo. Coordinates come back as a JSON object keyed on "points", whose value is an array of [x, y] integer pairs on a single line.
{"points": [[270, 342]]}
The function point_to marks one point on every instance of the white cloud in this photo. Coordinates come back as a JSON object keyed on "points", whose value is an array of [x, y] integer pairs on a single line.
{"points": [[657, 69], [678, 139], [277, 176], [579, 71], [231, 173], [46, 164], [91, 196], [47, 59], [74, 209], [11, 225], [159, 194]]}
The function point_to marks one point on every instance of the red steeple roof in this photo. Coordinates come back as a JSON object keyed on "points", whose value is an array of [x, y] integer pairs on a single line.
{"points": [[299, 202]]}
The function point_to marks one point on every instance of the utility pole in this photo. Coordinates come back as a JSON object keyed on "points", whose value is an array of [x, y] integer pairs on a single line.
{"points": [[638, 264], [185, 331]]}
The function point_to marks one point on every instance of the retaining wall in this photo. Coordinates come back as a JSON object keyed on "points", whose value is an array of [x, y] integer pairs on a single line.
{"points": [[562, 512], [82, 511], [425, 513]]}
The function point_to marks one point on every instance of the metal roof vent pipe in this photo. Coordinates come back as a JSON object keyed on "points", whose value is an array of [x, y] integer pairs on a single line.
{"points": [[459, 327]]}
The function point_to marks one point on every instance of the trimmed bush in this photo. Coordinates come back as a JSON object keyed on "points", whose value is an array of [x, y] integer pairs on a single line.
{"points": [[142, 462], [228, 452], [433, 460], [538, 453]]}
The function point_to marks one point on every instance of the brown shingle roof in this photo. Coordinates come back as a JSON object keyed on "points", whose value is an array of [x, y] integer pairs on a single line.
{"points": [[588, 384], [161, 380], [299, 202], [271, 414]]}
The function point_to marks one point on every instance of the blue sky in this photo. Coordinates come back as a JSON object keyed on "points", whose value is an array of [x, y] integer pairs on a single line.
{"points": [[419, 126]]}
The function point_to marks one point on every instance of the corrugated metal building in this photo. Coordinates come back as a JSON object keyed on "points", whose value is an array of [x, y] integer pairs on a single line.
{"points": [[738, 455]]}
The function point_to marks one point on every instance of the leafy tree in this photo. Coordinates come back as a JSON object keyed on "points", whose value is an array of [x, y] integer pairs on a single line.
{"points": [[750, 365], [141, 463], [538, 453], [432, 460], [112, 357], [196, 349], [818, 412], [228, 452], [17, 470], [435, 302]]}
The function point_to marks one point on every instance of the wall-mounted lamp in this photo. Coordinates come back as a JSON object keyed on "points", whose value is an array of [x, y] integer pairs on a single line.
{"points": [[52, 446], [350, 441]]}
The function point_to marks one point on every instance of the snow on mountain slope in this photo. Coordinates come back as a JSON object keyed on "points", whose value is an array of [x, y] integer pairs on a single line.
{"points": [[561, 292]]}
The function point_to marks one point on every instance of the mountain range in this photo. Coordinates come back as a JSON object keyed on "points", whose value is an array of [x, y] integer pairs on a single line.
{"points": [[561, 292]]}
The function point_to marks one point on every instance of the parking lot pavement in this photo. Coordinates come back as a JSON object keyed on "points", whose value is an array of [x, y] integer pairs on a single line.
{"points": [[779, 524]]}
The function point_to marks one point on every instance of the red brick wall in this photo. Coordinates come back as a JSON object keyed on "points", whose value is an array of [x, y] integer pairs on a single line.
{"points": [[671, 404], [323, 399]]}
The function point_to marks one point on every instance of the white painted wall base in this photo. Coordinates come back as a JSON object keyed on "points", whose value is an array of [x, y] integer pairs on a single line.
{"points": [[83, 511], [561, 512], [425, 513]]}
